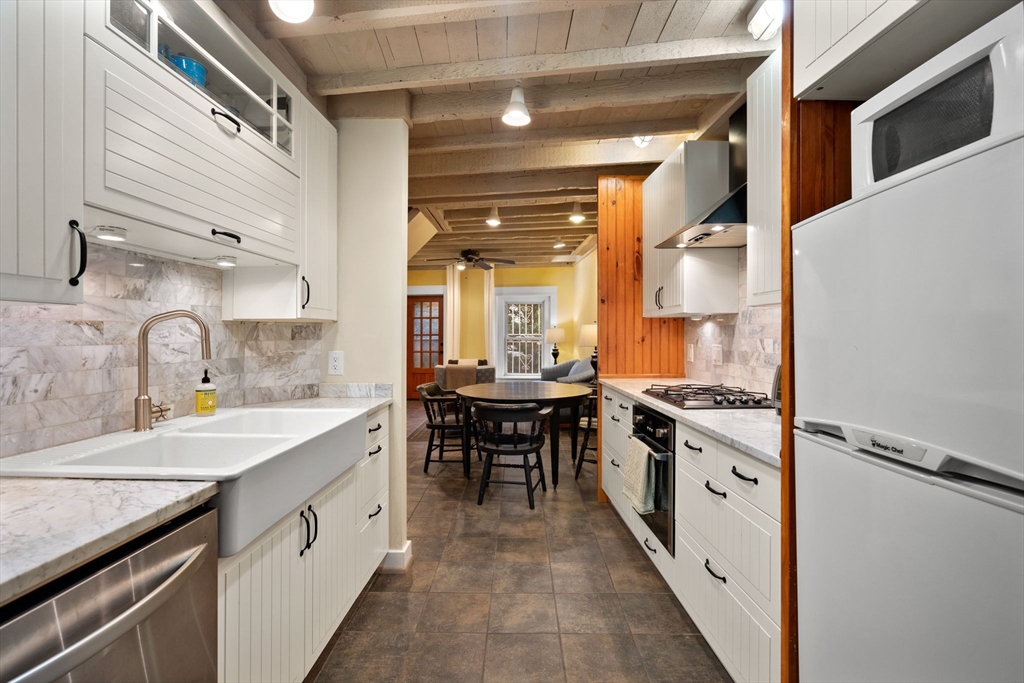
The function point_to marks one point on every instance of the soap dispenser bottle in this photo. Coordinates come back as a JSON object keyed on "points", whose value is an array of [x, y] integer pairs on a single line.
{"points": [[206, 396]]}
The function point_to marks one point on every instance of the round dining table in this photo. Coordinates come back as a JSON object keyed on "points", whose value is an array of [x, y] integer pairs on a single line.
{"points": [[554, 394]]}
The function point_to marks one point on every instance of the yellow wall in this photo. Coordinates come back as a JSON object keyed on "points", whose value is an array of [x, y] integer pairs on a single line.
{"points": [[425, 278], [585, 303], [559, 277]]}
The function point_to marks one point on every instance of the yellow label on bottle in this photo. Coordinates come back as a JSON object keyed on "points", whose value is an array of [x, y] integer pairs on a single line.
{"points": [[206, 402]]}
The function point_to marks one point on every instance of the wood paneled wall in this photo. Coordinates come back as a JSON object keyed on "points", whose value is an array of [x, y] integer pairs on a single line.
{"points": [[815, 176], [628, 343]]}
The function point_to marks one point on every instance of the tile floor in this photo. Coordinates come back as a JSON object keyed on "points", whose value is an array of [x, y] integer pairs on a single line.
{"points": [[499, 593]]}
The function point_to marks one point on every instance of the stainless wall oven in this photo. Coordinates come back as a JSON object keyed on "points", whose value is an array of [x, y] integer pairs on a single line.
{"points": [[658, 433]]}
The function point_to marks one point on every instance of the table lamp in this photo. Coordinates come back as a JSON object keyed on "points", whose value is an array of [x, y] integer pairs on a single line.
{"points": [[588, 337], [556, 336]]}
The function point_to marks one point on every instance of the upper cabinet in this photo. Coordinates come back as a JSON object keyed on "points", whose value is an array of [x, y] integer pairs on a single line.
{"points": [[41, 151], [764, 183], [189, 128], [691, 281], [853, 49]]}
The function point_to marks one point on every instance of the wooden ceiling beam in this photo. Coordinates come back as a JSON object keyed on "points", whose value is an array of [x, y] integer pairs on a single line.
{"points": [[702, 50], [458, 216], [540, 198], [481, 104], [346, 16], [567, 227], [525, 137], [423, 191], [575, 155]]}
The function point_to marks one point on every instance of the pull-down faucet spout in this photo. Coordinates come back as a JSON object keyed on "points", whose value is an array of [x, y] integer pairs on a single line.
{"points": [[143, 402]]}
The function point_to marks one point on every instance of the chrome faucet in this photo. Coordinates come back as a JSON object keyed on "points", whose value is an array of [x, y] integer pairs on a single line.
{"points": [[143, 402]]}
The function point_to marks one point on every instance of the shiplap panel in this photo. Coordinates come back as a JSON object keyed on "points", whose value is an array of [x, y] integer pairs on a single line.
{"points": [[492, 37], [650, 21], [716, 18], [357, 51], [402, 46], [683, 19], [461, 37], [522, 34], [433, 43]]}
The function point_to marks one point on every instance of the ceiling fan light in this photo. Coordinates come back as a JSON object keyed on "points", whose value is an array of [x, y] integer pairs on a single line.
{"points": [[460, 265], [292, 11], [577, 213], [493, 219], [516, 113]]}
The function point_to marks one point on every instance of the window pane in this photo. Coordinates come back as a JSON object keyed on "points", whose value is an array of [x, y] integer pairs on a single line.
{"points": [[434, 309], [416, 326], [416, 360], [416, 309], [434, 344], [434, 326], [415, 343]]}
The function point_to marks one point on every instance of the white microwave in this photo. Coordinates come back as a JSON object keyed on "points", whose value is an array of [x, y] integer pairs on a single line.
{"points": [[965, 98]]}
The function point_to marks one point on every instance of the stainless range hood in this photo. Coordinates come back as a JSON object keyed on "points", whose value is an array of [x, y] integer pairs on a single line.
{"points": [[724, 223]]}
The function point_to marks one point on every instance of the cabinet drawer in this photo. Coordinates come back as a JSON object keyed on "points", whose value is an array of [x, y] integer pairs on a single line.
{"points": [[371, 476], [376, 427], [613, 434], [611, 480], [765, 494], [697, 449], [624, 410], [372, 538]]}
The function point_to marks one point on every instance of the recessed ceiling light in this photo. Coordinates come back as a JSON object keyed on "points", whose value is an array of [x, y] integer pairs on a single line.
{"points": [[516, 113], [577, 213], [642, 140], [292, 11], [765, 19], [109, 233], [493, 219]]}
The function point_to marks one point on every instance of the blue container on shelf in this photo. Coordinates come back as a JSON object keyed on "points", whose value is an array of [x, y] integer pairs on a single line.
{"points": [[193, 70]]}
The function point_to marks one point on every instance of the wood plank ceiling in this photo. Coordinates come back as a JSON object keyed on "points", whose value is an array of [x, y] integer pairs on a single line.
{"points": [[595, 73]]}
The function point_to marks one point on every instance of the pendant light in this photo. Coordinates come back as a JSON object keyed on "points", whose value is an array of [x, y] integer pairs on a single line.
{"points": [[577, 213], [292, 11], [516, 113], [558, 243], [493, 220]]}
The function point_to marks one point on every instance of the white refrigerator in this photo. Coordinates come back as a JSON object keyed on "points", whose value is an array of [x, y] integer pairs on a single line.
{"points": [[909, 351]]}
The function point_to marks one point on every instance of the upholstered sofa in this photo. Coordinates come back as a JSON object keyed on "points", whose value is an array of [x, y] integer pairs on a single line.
{"points": [[570, 372]]}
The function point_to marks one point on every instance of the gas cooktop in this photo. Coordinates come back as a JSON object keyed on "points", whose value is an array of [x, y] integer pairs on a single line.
{"points": [[708, 396]]}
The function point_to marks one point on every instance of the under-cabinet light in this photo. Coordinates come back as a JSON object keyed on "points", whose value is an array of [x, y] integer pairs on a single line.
{"points": [[109, 233]]}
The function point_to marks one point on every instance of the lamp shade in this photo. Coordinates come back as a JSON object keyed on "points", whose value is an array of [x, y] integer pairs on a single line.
{"points": [[588, 335], [516, 113], [554, 335]]}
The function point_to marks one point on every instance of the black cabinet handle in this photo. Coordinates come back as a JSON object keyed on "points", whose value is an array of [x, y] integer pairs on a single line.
{"points": [[623, 406], [83, 253], [657, 298], [707, 565], [376, 429], [379, 449], [707, 485], [229, 117], [302, 513], [230, 235], [740, 476], [307, 291], [377, 512], [607, 398], [614, 463], [316, 524], [615, 419], [647, 545], [692, 448]]}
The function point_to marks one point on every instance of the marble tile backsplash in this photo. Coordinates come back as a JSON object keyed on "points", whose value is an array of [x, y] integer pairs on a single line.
{"points": [[71, 372], [751, 343]]}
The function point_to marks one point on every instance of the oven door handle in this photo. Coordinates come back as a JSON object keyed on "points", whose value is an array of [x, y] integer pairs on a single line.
{"points": [[655, 449]]}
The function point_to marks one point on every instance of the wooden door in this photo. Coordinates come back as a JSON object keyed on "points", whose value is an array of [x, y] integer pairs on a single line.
{"points": [[425, 340]]}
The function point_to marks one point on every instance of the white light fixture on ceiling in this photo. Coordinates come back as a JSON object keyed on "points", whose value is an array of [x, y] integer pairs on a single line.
{"points": [[516, 113], [460, 265], [292, 11], [642, 140], [718, 228], [558, 243], [493, 219], [109, 233], [577, 213], [765, 19]]}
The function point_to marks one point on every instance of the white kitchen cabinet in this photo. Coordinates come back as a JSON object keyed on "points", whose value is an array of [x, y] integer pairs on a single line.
{"points": [[693, 281], [41, 150], [853, 49], [284, 596], [310, 290], [764, 183]]}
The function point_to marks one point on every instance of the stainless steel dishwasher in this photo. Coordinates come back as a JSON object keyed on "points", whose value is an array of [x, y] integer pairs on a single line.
{"points": [[148, 613]]}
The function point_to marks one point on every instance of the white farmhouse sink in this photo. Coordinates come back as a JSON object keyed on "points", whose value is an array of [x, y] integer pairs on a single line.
{"points": [[268, 461]]}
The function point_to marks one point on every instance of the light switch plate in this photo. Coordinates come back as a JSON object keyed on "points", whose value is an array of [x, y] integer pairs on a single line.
{"points": [[689, 353], [336, 364], [716, 354]]}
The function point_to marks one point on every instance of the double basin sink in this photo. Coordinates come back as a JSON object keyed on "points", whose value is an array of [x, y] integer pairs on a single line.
{"points": [[268, 461]]}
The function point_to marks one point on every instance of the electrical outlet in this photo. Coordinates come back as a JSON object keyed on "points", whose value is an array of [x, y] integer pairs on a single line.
{"points": [[716, 354], [689, 353], [336, 365]]}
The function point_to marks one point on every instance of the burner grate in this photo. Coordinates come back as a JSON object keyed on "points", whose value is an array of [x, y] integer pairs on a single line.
{"points": [[708, 396]]}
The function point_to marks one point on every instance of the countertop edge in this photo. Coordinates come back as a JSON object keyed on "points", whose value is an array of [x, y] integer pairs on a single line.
{"points": [[764, 456]]}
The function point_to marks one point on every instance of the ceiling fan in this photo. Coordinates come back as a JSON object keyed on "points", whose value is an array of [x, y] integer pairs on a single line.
{"points": [[472, 257]]}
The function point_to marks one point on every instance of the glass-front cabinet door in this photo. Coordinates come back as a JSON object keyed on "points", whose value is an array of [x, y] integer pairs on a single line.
{"points": [[197, 48]]}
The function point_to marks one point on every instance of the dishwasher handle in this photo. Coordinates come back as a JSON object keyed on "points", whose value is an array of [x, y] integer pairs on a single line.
{"points": [[95, 642]]}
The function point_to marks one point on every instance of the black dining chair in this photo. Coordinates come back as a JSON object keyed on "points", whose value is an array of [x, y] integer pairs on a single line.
{"points": [[588, 425], [513, 431], [444, 420]]}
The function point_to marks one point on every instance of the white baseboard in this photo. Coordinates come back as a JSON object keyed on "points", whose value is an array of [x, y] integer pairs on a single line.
{"points": [[397, 561]]}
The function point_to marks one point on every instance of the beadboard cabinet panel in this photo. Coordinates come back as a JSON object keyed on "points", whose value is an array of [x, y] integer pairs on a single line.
{"points": [[764, 183]]}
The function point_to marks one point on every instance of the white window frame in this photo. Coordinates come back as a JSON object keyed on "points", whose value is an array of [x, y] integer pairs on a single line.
{"points": [[548, 296]]}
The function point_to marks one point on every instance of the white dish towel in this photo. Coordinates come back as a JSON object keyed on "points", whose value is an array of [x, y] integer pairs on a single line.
{"points": [[638, 479]]}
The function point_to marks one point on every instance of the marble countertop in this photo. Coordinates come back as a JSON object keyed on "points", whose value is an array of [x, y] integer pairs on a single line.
{"points": [[757, 433], [50, 526]]}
